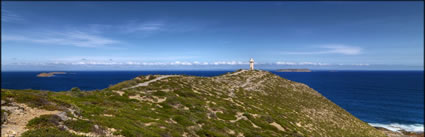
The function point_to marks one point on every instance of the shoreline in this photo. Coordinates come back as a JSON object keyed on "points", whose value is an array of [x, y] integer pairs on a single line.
{"points": [[400, 133], [395, 129]]}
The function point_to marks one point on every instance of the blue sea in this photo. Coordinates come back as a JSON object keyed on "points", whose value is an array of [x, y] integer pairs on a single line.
{"points": [[389, 99]]}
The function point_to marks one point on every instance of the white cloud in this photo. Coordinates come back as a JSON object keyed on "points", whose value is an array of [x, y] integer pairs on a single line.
{"points": [[285, 63], [342, 49], [360, 64], [313, 63], [301, 63], [332, 49], [123, 62], [181, 63], [155, 26], [108, 62], [73, 38], [229, 63], [91, 35], [142, 27]]}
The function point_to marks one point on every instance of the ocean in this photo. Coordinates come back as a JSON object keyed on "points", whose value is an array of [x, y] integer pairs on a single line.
{"points": [[389, 99]]}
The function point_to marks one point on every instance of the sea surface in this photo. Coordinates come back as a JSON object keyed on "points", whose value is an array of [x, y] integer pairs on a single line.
{"points": [[389, 99]]}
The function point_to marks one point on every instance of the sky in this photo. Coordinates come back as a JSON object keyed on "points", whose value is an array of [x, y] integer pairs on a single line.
{"points": [[212, 35]]}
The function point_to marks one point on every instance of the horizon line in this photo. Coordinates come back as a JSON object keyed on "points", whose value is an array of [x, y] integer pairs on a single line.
{"points": [[213, 70]]}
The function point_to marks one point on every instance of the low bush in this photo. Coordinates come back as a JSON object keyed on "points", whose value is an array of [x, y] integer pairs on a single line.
{"points": [[44, 121], [79, 125], [182, 120], [48, 132]]}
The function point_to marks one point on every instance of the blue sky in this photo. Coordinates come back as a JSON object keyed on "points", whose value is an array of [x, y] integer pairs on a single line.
{"points": [[212, 35]]}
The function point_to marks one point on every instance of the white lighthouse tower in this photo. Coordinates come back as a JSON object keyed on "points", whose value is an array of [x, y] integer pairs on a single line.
{"points": [[251, 64]]}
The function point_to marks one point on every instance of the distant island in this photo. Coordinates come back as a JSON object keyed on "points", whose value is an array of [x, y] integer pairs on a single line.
{"points": [[49, 74], [293, 70]]}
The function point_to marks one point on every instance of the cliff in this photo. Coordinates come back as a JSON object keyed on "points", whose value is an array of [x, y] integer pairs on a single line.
{"points": [[242, 103]]}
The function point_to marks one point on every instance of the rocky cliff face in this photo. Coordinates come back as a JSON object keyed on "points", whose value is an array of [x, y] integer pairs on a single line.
{"points": [[242, 103]]}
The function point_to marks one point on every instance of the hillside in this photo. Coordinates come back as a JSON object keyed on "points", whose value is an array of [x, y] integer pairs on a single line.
{"points": [[242, 103]]}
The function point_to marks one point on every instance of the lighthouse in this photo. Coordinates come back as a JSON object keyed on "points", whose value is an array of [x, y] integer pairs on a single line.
{"points": [[251, 64]]}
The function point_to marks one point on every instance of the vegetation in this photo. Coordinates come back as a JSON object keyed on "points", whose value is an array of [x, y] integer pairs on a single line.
{"points": [[46, 126], [48, 132], [44, 121], [249, 103], [79, 125]]}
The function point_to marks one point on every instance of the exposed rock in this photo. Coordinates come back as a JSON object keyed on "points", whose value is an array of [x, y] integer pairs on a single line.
{"points": [[279, 127], [3, 116], [119, 92], [19, 116], [62, 116]]}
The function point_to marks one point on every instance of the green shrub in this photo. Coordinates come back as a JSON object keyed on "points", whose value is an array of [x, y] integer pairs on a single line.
{"points": [[159, 93], [48, 132], [209, 133], [79, 125], [124, 84], [182, 120], [44, 121], [75, 89], [186, 93], [226, 116], [33, 99]]}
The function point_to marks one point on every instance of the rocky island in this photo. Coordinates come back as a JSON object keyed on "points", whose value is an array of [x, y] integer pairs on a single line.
{"points": [[243, 103], [293, 70], [50, 74]]}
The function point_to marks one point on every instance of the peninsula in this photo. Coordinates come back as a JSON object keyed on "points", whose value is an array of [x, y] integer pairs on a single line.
{"points": [[242, 103]]}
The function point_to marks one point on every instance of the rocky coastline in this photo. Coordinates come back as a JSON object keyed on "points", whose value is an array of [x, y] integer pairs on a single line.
{"points": [[400, 133]]}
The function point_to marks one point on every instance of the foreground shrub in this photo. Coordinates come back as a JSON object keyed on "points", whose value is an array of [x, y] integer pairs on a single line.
{"points": [[44, 121], [48, 132], [79, 125]]}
